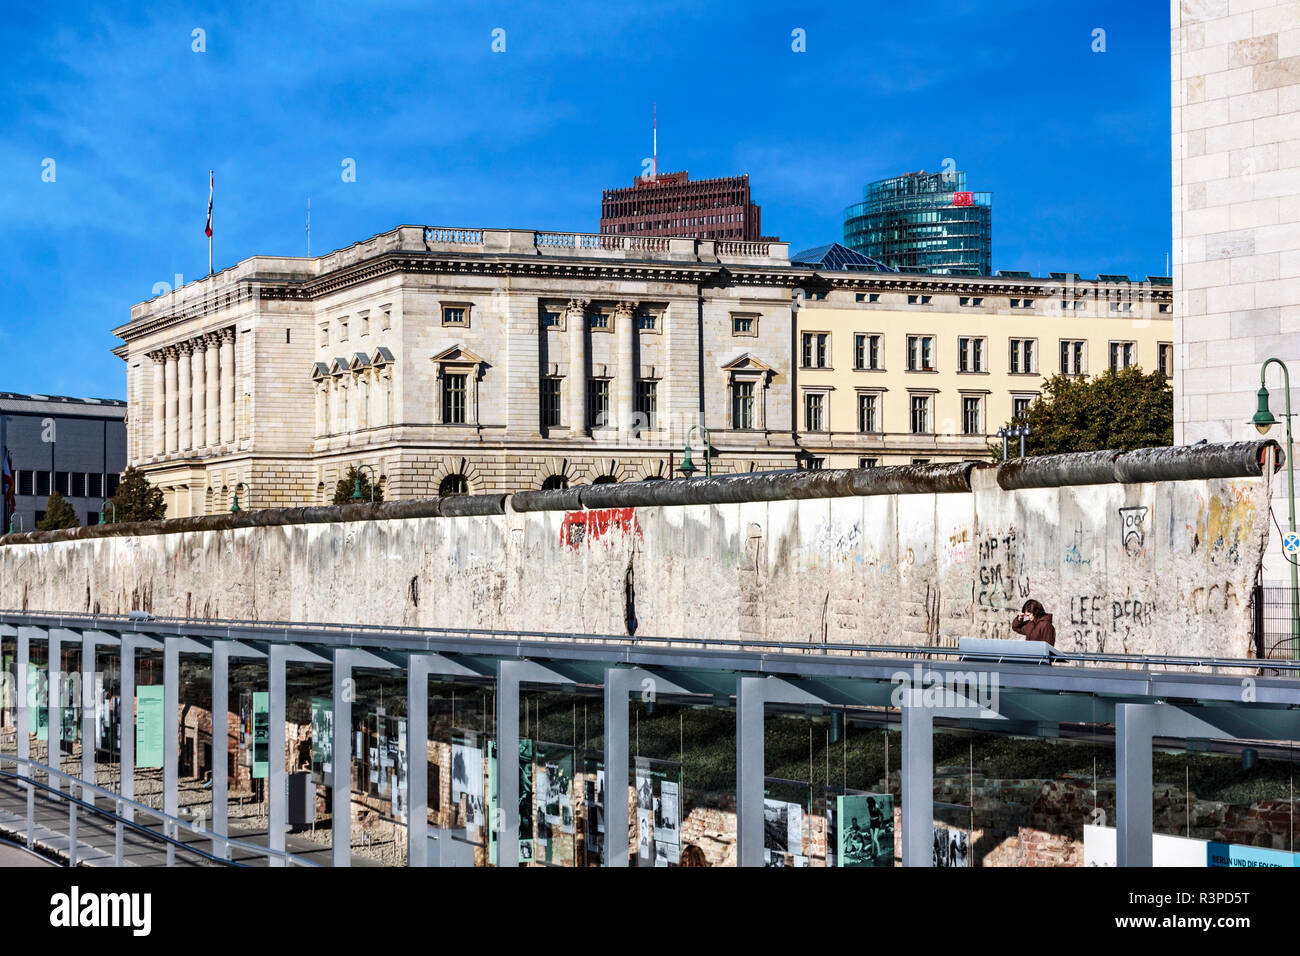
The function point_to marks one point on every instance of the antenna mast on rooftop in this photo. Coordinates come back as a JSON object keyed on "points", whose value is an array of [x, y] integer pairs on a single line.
{"points": [[654, 142]]}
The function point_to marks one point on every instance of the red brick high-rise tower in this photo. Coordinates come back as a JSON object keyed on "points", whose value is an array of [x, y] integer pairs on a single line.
{"points": [[669, 204]]}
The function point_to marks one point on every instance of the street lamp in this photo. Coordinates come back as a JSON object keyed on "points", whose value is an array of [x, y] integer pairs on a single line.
{"points": [[19, 518], [1015, 431], [107, 504], [234, 503], [356, 491], [1022, 433], [688, 467], [1263, 421]]}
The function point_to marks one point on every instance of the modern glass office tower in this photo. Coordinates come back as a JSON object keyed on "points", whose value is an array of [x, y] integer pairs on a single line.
{"points": [[924, 222]]}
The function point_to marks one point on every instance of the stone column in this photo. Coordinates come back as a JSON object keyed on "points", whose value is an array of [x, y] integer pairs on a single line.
{"points": [[184, 383], [575, 317], [200, 392], [212, 377], [625, 385], [170, 385], [227, 386], [159, 402]]}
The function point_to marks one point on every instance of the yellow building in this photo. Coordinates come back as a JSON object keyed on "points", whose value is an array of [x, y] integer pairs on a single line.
{"points": [[896, 369]]}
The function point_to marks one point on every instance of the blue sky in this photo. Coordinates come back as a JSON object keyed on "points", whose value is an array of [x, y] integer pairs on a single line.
{"points": [[1074, 145]]}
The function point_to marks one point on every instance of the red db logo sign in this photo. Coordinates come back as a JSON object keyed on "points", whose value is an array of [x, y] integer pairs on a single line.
{"points": [[963, 199]]}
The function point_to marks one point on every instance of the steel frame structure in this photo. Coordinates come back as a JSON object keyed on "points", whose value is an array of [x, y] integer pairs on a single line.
{"points": [[1196, 698]]}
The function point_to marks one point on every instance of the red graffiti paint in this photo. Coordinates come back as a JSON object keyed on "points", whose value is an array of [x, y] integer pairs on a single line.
{"points": [[587, 527]]}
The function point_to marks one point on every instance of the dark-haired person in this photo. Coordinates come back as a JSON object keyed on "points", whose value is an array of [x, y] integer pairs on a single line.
{"points": [[1034, 623]]}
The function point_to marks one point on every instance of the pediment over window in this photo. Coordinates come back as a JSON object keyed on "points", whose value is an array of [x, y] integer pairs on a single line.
{"points": [[746, 362], [340, 365], [319, 370], [458, 355], [382, 357], [360, 360]]}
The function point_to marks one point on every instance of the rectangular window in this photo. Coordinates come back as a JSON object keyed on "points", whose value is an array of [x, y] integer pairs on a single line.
{"points": [[647, 321], [1074, 357], [918, 300], [453, 399], [1122, 355], [920, 353], [742, 404], [868, 462], [26, 482], [866, 352], [971, 301], [599, 320], [550, 318], [1024, 358], [970, 415], [645, 403], [597, 402], [868, 413], [970, 354], [550, 402], [742, 325], [363, 317], [63, 483], [920, 414], [814, 409], [323, 340], [814, 349], [111, 483], [920, 461], [95, 486], [343, 330], [455, 315], [1165, 307], [1020, 405], [1165, 359], [386, 317]]}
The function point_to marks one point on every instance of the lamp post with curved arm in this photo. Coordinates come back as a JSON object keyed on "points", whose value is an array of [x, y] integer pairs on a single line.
{"points": [[688, 467], [234, 503], [356, 491], [1263, 422]]}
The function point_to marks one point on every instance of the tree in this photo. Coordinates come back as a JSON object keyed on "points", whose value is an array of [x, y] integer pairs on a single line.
{"points": [[137, 500], [1122, 410], [347, 486], [58, 514]]}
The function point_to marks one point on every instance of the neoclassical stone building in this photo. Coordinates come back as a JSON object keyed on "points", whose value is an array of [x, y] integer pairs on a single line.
{"points": [[462, 360]]}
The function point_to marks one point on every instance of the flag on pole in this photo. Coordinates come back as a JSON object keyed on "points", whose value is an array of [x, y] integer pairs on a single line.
{"points": [[207, 230]]}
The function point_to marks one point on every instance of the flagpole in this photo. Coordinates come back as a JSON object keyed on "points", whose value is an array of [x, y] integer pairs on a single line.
{"points": [[210, 180]]}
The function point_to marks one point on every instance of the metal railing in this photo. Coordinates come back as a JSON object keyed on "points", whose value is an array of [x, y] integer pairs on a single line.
{"points": [[122, 817], [363, 635], [1271, 616]]}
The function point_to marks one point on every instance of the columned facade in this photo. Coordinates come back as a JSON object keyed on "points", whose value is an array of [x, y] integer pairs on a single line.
{"points": [[576, 359]]}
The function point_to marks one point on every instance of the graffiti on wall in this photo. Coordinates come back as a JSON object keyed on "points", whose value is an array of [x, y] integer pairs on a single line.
{"points": [[1133, 533], [1000, 584], [589, 527]]}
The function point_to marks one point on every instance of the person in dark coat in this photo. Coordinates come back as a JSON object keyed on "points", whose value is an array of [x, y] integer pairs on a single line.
{"points": [[1035, 623]]}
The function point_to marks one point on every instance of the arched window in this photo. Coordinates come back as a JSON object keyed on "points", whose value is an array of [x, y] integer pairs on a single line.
{"points": [[454, 485], [555, 482], [605, 480]]}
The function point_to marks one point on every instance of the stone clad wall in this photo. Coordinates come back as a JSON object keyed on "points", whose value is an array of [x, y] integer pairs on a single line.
{"points": [[1159, 568]]}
